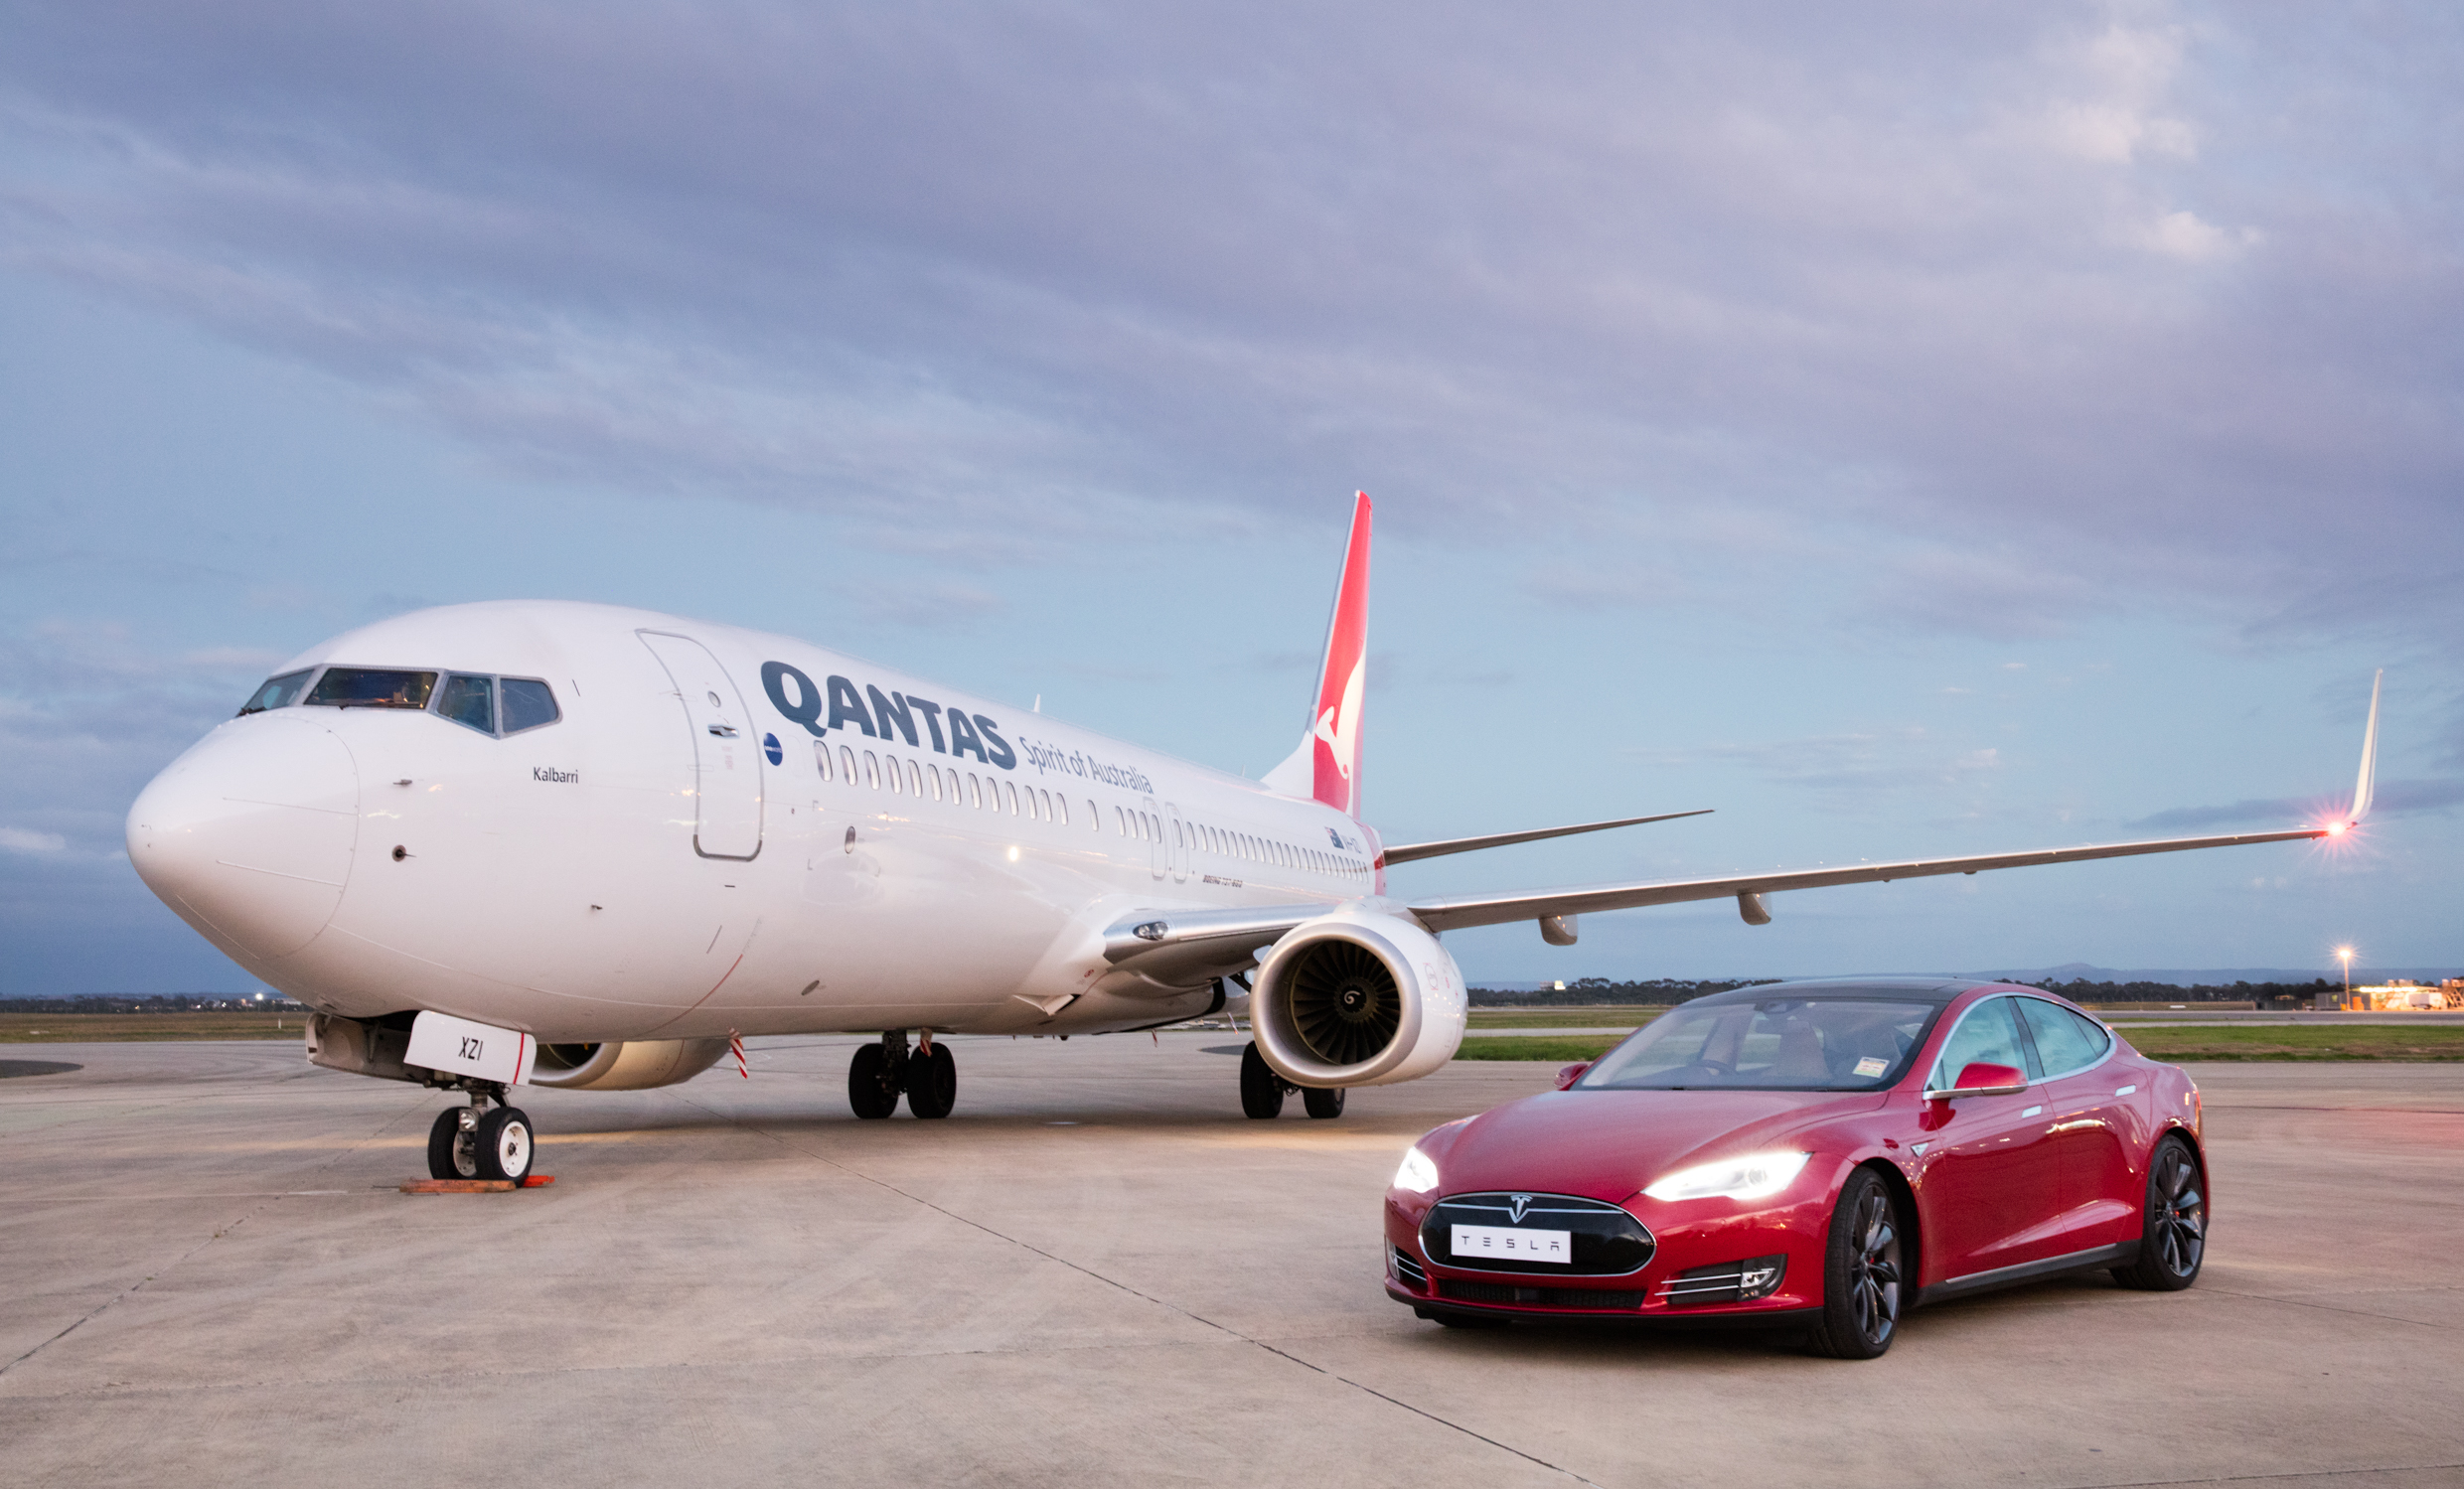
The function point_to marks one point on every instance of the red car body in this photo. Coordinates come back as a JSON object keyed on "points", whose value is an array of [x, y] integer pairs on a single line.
{"points": [[1984, 1190]]}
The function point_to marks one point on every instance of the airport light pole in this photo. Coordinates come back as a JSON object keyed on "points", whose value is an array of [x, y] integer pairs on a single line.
{"points": [[2344, 954]]}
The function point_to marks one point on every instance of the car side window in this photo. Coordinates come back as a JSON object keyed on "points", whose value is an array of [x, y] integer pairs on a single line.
{"points": [[2063, 1041], [1989, 1032]]}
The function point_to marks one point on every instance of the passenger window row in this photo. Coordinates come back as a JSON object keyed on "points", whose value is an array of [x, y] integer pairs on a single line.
{"points": [[900, 777], [884, 772]]}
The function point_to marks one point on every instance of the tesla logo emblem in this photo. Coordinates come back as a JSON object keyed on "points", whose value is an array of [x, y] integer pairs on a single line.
{"points": [[1518, 1204]]}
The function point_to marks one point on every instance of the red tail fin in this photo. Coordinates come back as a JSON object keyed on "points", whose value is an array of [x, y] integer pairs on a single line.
{"points": [[1327, 764]]}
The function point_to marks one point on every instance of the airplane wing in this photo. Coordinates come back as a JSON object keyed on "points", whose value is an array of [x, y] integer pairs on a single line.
{"points": [[1456, 912], [1414, 851]]}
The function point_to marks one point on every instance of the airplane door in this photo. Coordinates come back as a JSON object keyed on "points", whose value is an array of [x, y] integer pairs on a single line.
{"points": [[726, 755], [1179, 847], [1159, 853]]}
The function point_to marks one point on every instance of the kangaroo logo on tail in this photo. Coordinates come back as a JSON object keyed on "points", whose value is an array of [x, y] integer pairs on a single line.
{"points": [[1327, 764]]}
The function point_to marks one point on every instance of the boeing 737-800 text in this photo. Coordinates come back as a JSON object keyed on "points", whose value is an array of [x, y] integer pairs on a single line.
{"points": [[583, 846]]}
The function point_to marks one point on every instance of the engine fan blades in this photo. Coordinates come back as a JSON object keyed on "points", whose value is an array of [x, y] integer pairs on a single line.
{"points": [[1345, 1002]]}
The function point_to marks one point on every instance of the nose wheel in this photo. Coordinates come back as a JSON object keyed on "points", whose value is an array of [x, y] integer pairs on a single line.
{"points": [[480, 1142]]}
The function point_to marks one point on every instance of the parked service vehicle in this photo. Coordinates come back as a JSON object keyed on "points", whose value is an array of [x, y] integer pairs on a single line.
{"points": [[1823, 1154]]}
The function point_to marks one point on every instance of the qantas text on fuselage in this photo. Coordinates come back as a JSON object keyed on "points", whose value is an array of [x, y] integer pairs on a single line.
{"points": [[598, 843]]}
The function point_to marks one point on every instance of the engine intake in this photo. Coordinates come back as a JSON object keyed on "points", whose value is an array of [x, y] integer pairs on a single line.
{"points": [[1356, 998]]}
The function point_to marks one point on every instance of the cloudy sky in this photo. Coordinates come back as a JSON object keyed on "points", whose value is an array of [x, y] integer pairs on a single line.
{"points": [[1905, 428]]}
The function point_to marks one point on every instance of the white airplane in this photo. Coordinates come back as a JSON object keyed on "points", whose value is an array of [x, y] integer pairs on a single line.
{"points": [[583, 846]]}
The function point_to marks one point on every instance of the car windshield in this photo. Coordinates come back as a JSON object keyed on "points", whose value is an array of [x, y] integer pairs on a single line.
{"points": [[373, 687], [277, 693], [1774, 1044]]}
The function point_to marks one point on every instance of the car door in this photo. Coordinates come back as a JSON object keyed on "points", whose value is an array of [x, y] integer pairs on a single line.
{"points": [[2092, 1126], [1990, 1183]]}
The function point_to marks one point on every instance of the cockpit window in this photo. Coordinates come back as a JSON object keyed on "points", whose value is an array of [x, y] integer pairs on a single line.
{"points": [[370, 687], [528, 705], [469, 700], [278, 693]]}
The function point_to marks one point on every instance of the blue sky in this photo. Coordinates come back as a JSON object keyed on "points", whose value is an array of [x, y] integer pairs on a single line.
{"points": [[1936, 431]]}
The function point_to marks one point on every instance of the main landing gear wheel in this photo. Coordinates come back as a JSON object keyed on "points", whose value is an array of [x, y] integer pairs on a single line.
{"points": [[453, 1147], [1322, 1103], [502, 1140], [872, 1086], [2174, 1239], [1262, 1089], [1861, 1271], [932, 1082]]}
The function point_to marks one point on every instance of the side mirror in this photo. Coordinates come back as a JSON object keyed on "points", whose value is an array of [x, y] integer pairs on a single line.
{"points": [[1983, 1077], [1571, 1074]]}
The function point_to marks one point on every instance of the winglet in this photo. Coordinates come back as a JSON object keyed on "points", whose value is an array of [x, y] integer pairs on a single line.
{"points": [[2369, 755], [1327, 764]]}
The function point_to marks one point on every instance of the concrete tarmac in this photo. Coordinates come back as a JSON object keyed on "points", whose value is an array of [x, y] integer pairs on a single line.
{"points": [[1098, 1272]]}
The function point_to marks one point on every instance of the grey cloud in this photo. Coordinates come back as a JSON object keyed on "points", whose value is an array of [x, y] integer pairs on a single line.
{"points": [[2388, 799], [2162, 298]]}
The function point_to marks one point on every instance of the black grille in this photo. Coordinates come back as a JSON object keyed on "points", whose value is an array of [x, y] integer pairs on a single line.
{"points": [[1407, 1271], [1546, 1298], [1728, 1282], [1605, 1239]]}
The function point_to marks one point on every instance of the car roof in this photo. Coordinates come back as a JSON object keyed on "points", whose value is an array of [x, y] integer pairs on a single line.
{"points": [[1901, 988]]}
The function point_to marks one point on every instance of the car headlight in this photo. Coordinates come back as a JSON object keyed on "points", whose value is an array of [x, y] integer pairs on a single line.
{"points": [[1748, 1178], [1417, 1173]]}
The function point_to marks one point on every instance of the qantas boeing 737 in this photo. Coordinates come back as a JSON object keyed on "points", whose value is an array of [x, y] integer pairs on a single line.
{"points": [[582, 846]]}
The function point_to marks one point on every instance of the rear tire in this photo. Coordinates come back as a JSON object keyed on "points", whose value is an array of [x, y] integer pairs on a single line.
{"points": [[1262, 1089], [932, 1082], [504, 1146], [451, 1153], [2173, 1232], [1861, 1271], [870, 1090], [1322, 1103]]}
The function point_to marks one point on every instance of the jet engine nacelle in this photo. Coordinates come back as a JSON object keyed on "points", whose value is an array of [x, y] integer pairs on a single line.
{"points": [[1358, 998], [632, 1065]]}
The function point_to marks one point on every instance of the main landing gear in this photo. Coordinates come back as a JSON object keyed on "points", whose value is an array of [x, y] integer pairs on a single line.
{"points": [[1263, 1091], [879, 1072], [480, 1141]]}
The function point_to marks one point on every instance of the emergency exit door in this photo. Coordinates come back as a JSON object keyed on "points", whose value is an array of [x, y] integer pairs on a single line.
{"points": [[726, 781]]}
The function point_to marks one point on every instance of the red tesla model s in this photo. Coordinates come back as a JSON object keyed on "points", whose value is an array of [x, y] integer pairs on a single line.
{"points": [[1816, 1154]]}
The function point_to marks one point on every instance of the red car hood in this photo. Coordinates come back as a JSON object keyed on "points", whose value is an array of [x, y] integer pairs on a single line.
{"points": [[1606, 1144]]}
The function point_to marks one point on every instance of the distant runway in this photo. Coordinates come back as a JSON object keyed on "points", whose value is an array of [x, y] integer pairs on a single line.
{"points": [[1096, 1273]]}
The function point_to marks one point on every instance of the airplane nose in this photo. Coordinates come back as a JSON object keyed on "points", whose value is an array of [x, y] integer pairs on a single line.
{"points": [[249, 835]]}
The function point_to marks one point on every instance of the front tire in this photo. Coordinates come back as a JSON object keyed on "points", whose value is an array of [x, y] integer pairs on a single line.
{"points": [[503, 1138], [1322, 1103], [451, 1152], [1861, 1271], [1262, 1089], [2173, 1236]]}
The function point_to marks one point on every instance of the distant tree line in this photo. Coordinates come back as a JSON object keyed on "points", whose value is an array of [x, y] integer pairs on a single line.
{"points": [[161, 1002], [2081, 991], [1585, 991]]}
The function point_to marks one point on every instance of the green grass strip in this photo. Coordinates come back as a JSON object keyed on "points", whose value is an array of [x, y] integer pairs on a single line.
{"points": [[1554, 1049], [2301, 1042]]}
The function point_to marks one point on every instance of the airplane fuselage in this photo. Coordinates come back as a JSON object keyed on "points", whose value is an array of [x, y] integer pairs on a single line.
{"points": [[721, 830]]}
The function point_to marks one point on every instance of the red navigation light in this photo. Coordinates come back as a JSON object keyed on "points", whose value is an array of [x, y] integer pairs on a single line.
{"points": [[2335, 829]]}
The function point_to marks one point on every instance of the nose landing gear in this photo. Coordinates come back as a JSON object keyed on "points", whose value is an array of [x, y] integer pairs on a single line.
{"points": [[880, 1072], [480, 1141]]}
